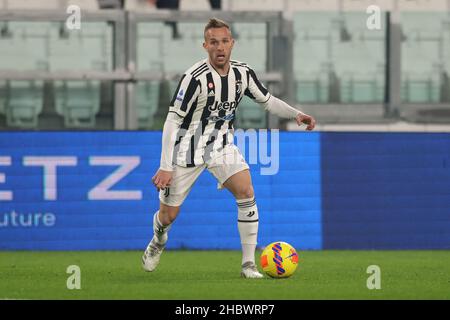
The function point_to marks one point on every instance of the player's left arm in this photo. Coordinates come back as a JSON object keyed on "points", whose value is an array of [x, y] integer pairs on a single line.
{"points": [[281, 109], [272, 104]]}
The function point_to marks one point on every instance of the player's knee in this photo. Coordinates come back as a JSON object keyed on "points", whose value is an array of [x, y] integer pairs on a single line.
{"points": [[245, 192]]}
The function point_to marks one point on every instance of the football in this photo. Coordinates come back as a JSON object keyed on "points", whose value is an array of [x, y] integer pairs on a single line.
{"points": [[279, 260]]}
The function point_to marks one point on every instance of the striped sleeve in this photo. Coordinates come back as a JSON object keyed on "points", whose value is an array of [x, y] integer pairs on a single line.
{"points": [[256, 89], [187, 91]]}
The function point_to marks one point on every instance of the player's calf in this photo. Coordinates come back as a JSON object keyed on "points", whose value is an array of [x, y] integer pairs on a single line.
{"points": [[248, 230], [160, 230]]}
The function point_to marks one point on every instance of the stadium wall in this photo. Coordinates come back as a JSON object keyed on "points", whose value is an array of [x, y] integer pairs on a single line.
{"points": [[92, 191]]}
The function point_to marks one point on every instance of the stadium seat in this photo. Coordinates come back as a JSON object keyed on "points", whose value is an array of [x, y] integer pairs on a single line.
{"points": [[26, 46], [157, 35], [337, 58], [24, 102], [355, 88], [423, 56], [87, 49], [149, 52], [90, 48], [446, 45], [420, 88], [312, 65], [149, 37], [191, 41], [147, 99], [78, 102], [359, 59], [252, 38], [312, 88]]}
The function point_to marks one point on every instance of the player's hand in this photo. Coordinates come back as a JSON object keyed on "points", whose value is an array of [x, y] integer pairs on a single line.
{"points": [[306, 119], [162, 179]]}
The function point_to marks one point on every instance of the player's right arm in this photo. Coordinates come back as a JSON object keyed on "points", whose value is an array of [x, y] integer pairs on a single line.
{"points": [[183, 98]]}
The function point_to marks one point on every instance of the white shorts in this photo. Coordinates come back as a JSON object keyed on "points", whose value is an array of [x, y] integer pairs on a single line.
{"points": [[222, 165]]}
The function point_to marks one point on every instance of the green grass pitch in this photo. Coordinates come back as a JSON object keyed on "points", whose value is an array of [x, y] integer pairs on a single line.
{"points": [[216, 275]]}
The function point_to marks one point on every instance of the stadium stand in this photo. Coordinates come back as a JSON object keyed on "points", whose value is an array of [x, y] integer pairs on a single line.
{"points": [[359, 58], [312, 57], [147, 100], [252, 38], [150, 53], [79, 101], [150, 46], [191, 41], [336, 59], [423, 53], [24, 102], [25, 47]]}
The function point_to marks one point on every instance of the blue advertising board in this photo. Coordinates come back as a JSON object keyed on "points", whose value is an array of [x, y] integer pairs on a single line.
{"points": [[93, 191], [386, 190]]}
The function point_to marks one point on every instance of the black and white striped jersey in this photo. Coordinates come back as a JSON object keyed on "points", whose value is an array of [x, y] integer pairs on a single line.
{"points": [[206, 103]]}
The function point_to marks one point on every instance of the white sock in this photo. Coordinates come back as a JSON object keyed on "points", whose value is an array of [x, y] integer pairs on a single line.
{"points": [[159, 231], [248, 227]]}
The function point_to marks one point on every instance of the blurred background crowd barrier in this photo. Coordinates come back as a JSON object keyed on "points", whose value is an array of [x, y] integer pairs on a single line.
{"points": [[118, 71]]}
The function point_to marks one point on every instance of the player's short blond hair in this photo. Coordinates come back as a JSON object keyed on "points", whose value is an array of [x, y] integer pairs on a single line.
{"points": [[215, 23]]}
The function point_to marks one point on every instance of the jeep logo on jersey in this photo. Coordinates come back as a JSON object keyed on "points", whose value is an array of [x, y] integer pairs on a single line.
{"points": [[223, 106]]}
